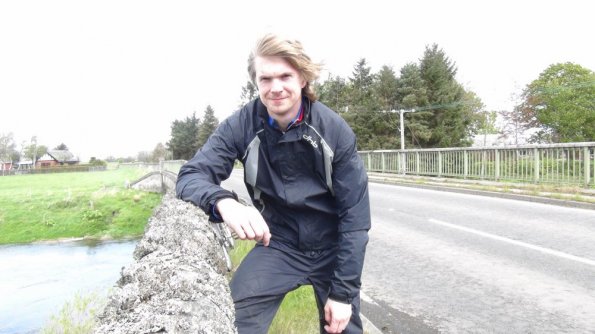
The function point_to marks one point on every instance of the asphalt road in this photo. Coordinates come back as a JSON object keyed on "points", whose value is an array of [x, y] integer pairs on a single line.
{"points": [[442, 262]]}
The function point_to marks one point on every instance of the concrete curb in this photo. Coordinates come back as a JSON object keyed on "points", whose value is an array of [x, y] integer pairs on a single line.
{"points": [[369, 327]]}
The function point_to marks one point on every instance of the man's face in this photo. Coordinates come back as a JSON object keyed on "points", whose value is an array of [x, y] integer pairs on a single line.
{"points": [[279, 86]]}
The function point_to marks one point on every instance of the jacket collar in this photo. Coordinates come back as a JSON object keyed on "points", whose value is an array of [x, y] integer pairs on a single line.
{"points": [[261, 110]]}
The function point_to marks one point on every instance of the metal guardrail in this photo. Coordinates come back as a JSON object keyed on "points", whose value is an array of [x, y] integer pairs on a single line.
{"points": [[563, 164], [558, 164], [172, 165]]}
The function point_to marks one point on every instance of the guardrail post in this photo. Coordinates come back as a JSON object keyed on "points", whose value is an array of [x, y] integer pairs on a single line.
{"points": [[587, 158], [403, 167], [417, 168], [369, 162], [439, 164], [382, 159], [536, 167], [465, 164], [496, 165], [483, 172]]}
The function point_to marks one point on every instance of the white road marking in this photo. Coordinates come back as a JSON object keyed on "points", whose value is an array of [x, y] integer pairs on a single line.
{"points": [[516, 242]]}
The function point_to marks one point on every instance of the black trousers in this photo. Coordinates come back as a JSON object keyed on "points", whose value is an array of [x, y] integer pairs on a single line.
{"points": [[267, 274]]}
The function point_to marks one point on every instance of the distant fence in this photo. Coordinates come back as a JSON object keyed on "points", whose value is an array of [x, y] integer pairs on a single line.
{"points": [[55, 169], [571, 163]]}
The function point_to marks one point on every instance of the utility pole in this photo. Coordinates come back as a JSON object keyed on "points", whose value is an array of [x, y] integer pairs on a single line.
{"points": [[403, 168], [402, 128], [401, 112], [402, 124]]}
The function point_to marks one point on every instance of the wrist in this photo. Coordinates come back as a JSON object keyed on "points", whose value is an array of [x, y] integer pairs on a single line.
{"points": [[224, 203], [214, 209], [340, 299]]}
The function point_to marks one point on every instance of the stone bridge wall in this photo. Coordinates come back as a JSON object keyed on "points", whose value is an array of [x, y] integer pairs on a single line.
{"points": [[157, 181], [177, 282]]}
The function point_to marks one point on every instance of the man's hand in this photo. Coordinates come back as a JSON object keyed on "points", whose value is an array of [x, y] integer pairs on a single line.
{"points": [[244, 220], [337, 316]]}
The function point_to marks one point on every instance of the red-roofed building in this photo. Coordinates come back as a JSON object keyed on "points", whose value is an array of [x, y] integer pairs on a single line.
{"points": [[56, 158]]}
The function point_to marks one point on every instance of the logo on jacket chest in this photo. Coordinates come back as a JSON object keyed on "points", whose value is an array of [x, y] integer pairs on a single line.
{"points": [[310, 140]]}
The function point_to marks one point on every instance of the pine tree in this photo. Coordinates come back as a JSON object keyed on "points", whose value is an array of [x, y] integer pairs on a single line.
{"points": [[183, 141], [61, 147], [412, 95], [208, 126], [334, 93], [249, 93], [385, 88], [451, 122]]}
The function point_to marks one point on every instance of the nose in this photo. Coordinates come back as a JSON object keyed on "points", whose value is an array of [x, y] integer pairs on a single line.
{"points": [[277, 86]]}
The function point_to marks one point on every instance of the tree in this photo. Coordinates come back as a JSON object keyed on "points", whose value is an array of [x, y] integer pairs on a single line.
{"points": [[208, 126], [143, 156], [361, 78], [61, 147], [33, 151], [385, 88], [249, 93], [363, 112], [97, 162], [183, 141], [360, 85], [484, 121], [160, 153], [451, 121], [561, 104], [8, 147], [411, 95], [334, 93], [514, 124]]}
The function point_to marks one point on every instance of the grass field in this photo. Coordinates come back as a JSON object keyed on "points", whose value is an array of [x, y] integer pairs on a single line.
{"points": [[73, 205]]}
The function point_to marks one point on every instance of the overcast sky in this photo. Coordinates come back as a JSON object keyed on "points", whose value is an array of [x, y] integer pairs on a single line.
{"points": [[109, 77]]}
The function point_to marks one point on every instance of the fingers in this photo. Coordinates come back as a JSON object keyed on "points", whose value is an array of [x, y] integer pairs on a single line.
{"points": [[245, 221], [256, 224], [237, 229], [336, 327], [259, 227], [337, 316], [267, 237], [332, 325]]}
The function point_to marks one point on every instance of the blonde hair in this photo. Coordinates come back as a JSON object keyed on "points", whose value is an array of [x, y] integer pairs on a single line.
{"points": [[272, 45]]}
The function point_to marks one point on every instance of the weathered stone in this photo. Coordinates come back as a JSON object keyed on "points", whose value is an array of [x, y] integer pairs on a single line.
{"points": [[177, 283]]}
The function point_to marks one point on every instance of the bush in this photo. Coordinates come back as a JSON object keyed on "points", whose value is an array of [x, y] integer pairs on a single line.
{"points": [[76, 316]]}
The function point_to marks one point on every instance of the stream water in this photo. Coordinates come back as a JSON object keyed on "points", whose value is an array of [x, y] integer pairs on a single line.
{"points": [[37, 279]]}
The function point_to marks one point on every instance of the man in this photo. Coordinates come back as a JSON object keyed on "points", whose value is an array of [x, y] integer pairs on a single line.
{"points": [[311, 211]]}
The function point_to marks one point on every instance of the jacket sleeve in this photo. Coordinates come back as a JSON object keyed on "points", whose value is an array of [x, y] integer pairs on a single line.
{"points": [[200, 178], [350, 183]]}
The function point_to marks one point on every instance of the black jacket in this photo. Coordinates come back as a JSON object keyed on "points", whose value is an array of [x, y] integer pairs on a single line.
{"points": [[309, 183]]}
